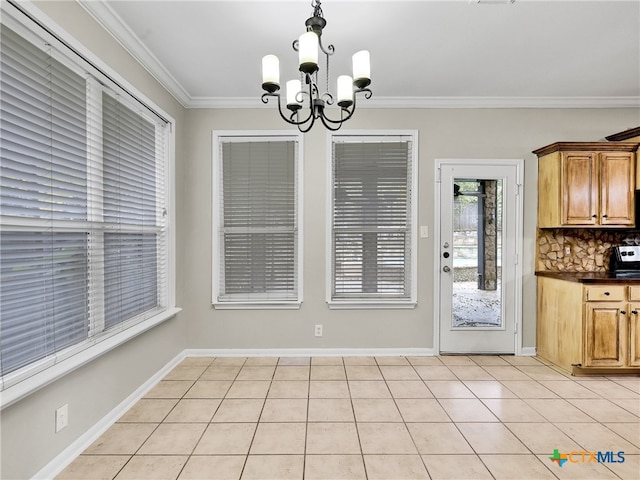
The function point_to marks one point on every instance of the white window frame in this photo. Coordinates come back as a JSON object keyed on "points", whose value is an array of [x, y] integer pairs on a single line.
{"points": [[36, 375], [257, 136], [380, 301]]}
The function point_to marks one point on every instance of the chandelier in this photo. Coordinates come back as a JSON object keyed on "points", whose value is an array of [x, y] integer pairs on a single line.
{"points": [[305, 102]]}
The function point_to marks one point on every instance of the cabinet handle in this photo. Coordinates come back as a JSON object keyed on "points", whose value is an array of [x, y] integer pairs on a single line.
{"points": [[607, 293], [594, 216], [634, 312], [605, 216], [622, 312]]}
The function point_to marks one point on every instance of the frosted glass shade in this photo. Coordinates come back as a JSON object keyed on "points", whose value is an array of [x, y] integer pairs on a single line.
{"points": [[361, 68], [270, 69], [293, 89], [308, 52], [345, 90]]}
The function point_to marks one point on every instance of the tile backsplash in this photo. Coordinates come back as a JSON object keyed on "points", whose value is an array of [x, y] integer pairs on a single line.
{"points": [[579, 250]]}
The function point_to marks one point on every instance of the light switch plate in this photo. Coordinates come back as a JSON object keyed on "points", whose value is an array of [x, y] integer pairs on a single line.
{"points": [[424, 231]]}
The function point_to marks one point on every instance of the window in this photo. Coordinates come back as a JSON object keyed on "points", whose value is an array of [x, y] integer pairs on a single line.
{"points": [[257, 220], [83, 218], [372, 237]]}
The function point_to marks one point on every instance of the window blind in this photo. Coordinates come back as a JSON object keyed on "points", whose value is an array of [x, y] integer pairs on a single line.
{"points": [[83, 234], [43, 145], [371, 218], [44, 295], [43, 292], [258, 223], [130, 147]]}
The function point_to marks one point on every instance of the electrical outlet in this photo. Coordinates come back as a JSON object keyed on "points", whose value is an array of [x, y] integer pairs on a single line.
{"points": [[62, 417], [318, 330]]}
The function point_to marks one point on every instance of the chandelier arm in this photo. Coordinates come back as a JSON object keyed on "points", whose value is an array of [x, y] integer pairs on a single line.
{"points": [[367, 93], [290, 120], [294, 113], [327, 97], [332, 125], [311, 122], [349, 110], [328, 51]]}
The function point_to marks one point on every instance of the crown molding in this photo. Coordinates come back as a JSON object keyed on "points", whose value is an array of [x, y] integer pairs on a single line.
{"points": [[441, 102], [502, 102], [113, 24]]}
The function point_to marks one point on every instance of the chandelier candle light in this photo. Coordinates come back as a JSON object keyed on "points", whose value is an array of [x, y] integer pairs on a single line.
{"points": [[307, 47]]}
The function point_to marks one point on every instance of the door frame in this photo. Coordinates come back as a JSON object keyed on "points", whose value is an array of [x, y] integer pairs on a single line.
{"points": [[519, 164]]}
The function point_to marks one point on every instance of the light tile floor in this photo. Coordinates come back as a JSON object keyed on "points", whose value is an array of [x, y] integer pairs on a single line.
{"points": [[386, 418]]}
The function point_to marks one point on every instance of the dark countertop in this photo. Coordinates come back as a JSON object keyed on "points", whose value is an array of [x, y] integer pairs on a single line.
{"points": [[590, 277]]}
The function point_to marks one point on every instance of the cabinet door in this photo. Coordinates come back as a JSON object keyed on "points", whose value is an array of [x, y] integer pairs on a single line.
{"points": [[606, 334], [617, 188], [579, 188], [634, 335]]}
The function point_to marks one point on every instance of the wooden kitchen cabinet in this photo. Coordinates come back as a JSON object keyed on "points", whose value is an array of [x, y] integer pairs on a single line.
{"points": [[587, 185], [630, 135], [582, 327], [605, 334], [634, 326]]}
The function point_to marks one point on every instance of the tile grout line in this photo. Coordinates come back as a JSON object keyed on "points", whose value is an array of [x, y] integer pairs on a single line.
{"points": [[424, 464], [195, 445], [264, 401], [355, 419], [306, 424]]}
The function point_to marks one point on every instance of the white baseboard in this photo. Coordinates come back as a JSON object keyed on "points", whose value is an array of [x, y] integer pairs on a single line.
{"points": [[309, 352], [62, 460], [528, 351]]}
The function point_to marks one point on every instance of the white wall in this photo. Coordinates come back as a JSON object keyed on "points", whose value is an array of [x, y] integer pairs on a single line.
{"points": [[443, 133], [28, 438]]}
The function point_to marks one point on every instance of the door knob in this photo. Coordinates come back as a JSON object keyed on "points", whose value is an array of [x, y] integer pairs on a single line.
{"points": [[446, 269]]}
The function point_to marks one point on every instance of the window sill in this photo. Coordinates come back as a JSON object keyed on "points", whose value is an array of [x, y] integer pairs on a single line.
{"points": [[59, 368], [257, 305], [373, 304]]}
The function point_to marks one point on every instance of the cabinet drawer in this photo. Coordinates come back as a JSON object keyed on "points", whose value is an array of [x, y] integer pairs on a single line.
{"points": [[605, 293], [634, 293]]}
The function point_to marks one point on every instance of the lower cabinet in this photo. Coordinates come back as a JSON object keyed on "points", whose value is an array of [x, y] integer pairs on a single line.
{"points": [[634, 326], [606, 331], [589, 326]]}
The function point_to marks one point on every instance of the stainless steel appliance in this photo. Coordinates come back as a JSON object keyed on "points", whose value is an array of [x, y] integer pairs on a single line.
{"points": [[625, 261]]}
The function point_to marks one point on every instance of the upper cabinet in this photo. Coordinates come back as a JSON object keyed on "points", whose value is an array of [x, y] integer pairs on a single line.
{"points": [[630, 135], [587, 184]]}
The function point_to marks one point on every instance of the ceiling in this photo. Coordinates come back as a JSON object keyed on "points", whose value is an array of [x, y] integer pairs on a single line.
{"points": [[456, 53]]}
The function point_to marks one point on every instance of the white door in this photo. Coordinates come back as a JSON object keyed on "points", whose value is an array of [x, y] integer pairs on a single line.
{"points": [[480, 240]]}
